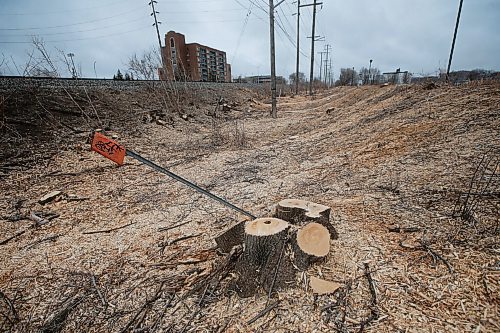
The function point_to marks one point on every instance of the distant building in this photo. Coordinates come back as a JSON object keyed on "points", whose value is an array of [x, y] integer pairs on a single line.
{"points": [[193, 61], [259, 79]]}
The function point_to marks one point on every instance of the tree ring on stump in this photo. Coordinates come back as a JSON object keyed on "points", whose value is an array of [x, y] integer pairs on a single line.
{"points": [[314, 239], [265, 226], [297, 211]]}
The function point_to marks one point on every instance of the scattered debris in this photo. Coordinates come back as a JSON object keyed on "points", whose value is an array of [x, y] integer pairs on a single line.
{"points": [[49, 197], [107, 231], [323, 287]]}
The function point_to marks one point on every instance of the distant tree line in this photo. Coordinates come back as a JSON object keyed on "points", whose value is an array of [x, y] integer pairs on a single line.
{"points": [[120, 77]]}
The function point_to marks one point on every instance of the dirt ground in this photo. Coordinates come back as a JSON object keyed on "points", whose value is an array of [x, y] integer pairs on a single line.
{"points": [[133, 251]]}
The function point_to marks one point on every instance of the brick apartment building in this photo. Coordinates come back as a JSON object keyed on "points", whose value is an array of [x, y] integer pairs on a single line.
{"points": [[193, 61]]}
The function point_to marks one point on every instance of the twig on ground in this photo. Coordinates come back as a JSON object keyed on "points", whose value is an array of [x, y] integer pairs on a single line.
{"points": [[94, 283], [424, 246], [46, 239], [183, 238], [107, 231], [263, 312], [173, 226], [375, 313], [5, 241]]}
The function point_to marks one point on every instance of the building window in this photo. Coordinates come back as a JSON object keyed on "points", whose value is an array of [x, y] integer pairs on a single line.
{"points": [[172, 42]]}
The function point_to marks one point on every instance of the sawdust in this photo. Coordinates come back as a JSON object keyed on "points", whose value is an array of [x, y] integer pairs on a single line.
{"points": [[384, 156]]}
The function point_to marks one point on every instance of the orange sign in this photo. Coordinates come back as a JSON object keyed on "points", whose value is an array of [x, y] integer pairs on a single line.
{"points": [[108, 148]]}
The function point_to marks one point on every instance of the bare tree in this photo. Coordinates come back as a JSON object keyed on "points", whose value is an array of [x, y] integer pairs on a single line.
{"points": [[369, 76], [407, 77], [301, 78], [2, 63], [146, 66], [348, 76]]}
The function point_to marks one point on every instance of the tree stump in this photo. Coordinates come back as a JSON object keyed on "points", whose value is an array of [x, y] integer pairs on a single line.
{"points": [[298, 211], [231, 237], [261, 237], [264, 239], [310, 244]]}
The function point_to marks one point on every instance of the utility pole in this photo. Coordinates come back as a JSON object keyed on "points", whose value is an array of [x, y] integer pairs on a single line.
{"points": [[152, 4], [327, 51], [298, 50], [330, 74], [313, 39], [454, 38], [272, 7], [321, 65]]}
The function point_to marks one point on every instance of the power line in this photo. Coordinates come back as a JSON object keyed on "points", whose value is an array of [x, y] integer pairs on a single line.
{"points": [[73, 24], [63, 11], [77, 31], [242, 32], [78, 39], [69, 40]]}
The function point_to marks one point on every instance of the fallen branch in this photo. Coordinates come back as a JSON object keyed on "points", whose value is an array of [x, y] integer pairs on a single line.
{"points": [[183, 238], [5, 241], [46, 239], [69, 199], [174, 226], [147, 305], [435, 256], [14, 218], [403, 229], [94, 284], [262, 313], [107, 231], [11, 307], [56, 323], [375, 313]]}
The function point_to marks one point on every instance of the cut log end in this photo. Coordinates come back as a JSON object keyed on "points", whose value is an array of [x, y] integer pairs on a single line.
{"points": [[311, 244], [265, 226], [298, 212], [314, 239]]}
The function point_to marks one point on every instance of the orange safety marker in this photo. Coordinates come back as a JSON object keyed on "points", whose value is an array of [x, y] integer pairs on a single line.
{"points": [[108, 148]]}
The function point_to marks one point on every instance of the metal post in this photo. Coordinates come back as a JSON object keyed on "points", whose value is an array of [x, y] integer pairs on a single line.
{"points": [[454, 38]]}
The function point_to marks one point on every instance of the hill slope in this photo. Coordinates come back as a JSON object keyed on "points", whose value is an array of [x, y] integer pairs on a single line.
{"points": [[379, 156]]}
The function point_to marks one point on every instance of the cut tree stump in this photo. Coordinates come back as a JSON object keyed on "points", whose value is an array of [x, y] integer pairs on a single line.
{"points": [[298, 212], [231, 237], [261, 237], [311, 244], [264, 239]]}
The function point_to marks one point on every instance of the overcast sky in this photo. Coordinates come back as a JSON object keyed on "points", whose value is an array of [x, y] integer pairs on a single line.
{"points": [[407, 34]]}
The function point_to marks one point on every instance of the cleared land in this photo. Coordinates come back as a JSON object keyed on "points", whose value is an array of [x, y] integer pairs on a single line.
{"points": [[117, 256]]}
